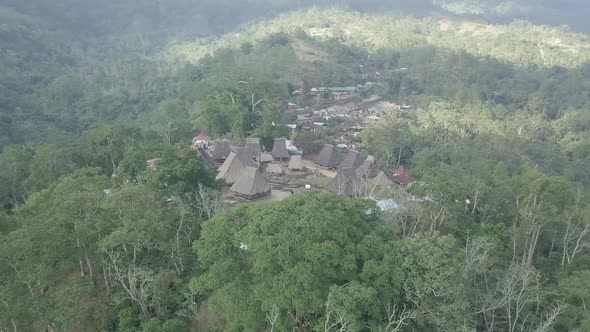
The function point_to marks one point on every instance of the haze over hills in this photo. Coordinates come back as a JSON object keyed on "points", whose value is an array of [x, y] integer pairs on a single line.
{"points": [[275, 165]]}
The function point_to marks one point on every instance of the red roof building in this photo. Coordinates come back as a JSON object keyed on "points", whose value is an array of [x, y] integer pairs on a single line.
{"points": [[201, 137], [402, 177], [201, 141]]}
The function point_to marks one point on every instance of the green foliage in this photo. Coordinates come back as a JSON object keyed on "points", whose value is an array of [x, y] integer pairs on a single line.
{"points": [[179, 171], [494, 236], [289, 256]]}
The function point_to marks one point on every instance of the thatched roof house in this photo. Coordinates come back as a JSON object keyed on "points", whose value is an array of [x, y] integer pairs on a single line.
{"points": [[206, 159], [296, 164], [368, 169], [265, 157], [279, 150], [246, 158], [352, 160], [220, 150], [230, 170], [274, 169], [253, 146], [346, 183], [381, 180], [251, 184], [328, 157]]}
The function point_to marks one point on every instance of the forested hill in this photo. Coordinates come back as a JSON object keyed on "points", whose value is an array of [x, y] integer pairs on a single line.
{"points": [[72, 66], [519, 43], [109, 221]]}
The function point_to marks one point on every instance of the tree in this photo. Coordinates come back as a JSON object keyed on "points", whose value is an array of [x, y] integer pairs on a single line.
{"points": [[180, 172], [289, 255], [434, 281]]}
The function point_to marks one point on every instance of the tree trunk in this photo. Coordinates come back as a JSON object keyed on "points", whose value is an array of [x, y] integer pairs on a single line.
{"points": [[89, 265]]}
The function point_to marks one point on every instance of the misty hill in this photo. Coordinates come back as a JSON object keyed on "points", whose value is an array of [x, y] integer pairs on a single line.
{"points": [[519, 43], [133, 55], [115, 117]]}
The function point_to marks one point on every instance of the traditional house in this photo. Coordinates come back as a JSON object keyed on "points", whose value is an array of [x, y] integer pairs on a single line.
{"points": [[296, 164], [368, 169], [402, 177], [206, 159], [279, 150], [253, 146], [246, 158], [328, 157], [352, 160], [265, 157], [231, 169], [346, 183], [251, 184], [381, 180], [274, 169], [220, 150], [201, 141]]}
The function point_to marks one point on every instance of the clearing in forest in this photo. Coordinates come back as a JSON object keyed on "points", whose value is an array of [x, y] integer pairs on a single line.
{"points": [[308, 53]]}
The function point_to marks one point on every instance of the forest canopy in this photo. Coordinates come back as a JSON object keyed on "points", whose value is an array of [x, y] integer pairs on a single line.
{"points": [[111, 221]]}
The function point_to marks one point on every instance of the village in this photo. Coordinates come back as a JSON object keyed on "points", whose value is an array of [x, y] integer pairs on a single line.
{"points": [[251, 173]]}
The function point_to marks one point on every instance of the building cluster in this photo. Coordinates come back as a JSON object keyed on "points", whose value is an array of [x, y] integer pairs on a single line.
{"points": [[247, 169], [357, 177], [347, 119]]}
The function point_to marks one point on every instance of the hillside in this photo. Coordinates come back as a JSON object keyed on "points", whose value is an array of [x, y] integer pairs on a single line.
{"points": [[443, 183], [518, 43]]}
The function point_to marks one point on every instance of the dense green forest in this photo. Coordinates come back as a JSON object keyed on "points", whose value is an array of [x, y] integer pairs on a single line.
{"points": [[92, 239]]}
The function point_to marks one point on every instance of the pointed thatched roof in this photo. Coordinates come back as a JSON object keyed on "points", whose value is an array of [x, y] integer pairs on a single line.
{"points": [[246, 158], [381, 180], [253, 146], [265, 157], [206, 158], [275, 169], [279, 150], [346, 183], [352, 160], [230, 170], [328, 157], [296, 164], [251, 184], [368, 169], [220, 150]]}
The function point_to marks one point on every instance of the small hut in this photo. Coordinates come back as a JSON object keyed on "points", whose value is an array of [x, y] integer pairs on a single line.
{"points": [[220, 150], [201, 141], [230, 170], [346, 183], [274, 169], [368, 169], [296, 164], [402, 177], [246, 158], [328, 157], [352, 160], [251, 184], [253, 146], [279, 150], [265, 157]]}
